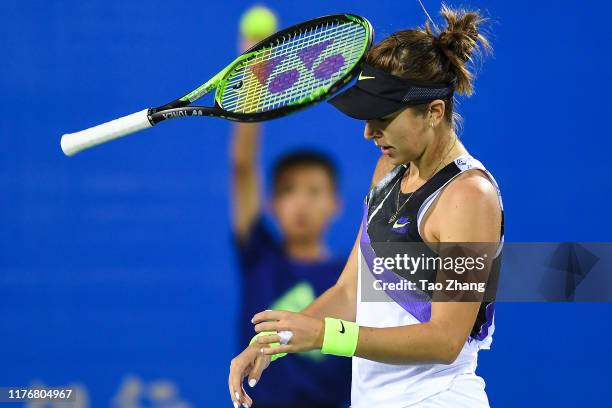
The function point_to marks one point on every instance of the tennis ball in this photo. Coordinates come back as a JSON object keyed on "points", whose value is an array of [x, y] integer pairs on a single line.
{"points": [[258, 23]]}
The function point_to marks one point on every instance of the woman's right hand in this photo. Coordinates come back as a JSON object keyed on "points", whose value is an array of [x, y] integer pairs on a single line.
{"points": [[251, 362]]}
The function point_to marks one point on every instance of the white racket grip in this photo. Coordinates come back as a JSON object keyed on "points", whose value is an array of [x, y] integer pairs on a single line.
{"points": [[72, 143]]}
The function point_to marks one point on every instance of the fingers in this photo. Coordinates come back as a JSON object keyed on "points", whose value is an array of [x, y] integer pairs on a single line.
{"points": [[269, 315], [240, 368], [269, 339], [246, 43], [261, 362], [268, 327], [233, 382], [239, 395], [277, 350], [247, 402]]}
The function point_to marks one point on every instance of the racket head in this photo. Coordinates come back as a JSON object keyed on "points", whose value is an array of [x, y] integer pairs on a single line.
{"points": [[294, 68]]}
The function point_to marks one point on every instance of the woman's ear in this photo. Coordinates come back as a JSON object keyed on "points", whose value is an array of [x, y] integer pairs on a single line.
{"points": [[436, 112]]}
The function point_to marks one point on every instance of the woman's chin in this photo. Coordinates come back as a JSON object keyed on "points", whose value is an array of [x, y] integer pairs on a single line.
{"points": [[396, 160]]}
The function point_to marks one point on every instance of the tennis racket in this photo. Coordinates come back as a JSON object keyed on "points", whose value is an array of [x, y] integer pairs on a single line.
{"points": [[288, 71]]}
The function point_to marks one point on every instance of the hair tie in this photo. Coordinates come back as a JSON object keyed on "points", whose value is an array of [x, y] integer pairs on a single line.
{"points": [[442, 45]]}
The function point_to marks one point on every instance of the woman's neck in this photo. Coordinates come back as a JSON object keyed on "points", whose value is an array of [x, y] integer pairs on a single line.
{"points": [[438, 154]]}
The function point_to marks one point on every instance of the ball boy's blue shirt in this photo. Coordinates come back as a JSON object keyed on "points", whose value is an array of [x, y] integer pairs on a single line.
{"points": [[272, 280]]}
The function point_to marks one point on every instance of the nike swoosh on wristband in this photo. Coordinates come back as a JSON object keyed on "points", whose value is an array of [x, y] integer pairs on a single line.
{"points": [[343, 329], [361, 77]]}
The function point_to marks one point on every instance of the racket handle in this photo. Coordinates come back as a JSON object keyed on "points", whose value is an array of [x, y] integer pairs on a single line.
{"points": [[72, 143]]}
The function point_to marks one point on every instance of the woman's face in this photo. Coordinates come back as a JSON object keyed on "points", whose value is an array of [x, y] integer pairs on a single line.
{"points": [[402, 136]]}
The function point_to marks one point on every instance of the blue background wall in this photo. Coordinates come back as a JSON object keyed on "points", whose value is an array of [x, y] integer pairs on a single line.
{"points": [[118, 262]]}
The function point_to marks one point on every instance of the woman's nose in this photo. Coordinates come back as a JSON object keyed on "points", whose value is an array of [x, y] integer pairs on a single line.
{"points": [[369, 131]]}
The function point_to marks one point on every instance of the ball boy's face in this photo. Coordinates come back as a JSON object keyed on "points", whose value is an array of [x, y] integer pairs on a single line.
{"points": [[304, 201]]}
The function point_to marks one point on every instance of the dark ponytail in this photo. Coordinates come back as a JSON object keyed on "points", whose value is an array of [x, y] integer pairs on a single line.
{"points": [[459, 42]]}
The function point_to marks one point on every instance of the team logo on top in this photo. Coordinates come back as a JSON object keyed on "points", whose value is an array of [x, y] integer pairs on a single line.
{"points": [[400, 225]]}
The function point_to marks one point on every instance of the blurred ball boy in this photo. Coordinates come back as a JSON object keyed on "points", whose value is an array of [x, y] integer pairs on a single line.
{"points": [[287, 272]]}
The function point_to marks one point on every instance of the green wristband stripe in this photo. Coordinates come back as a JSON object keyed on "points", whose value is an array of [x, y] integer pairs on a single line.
{"points": [[274, 357], [340, 338]]}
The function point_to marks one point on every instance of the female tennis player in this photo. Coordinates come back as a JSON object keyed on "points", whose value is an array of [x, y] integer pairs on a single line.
{"points": [[426, 188]]}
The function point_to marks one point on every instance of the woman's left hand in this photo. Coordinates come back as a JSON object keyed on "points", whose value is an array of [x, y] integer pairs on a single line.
{"points": [[307, 331]]}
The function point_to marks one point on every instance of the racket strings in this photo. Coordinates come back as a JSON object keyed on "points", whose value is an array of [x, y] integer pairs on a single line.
{"points": [[252, 97], [299, 43], [308, 88], [294, 68], [341, 46], [315, 36]]}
